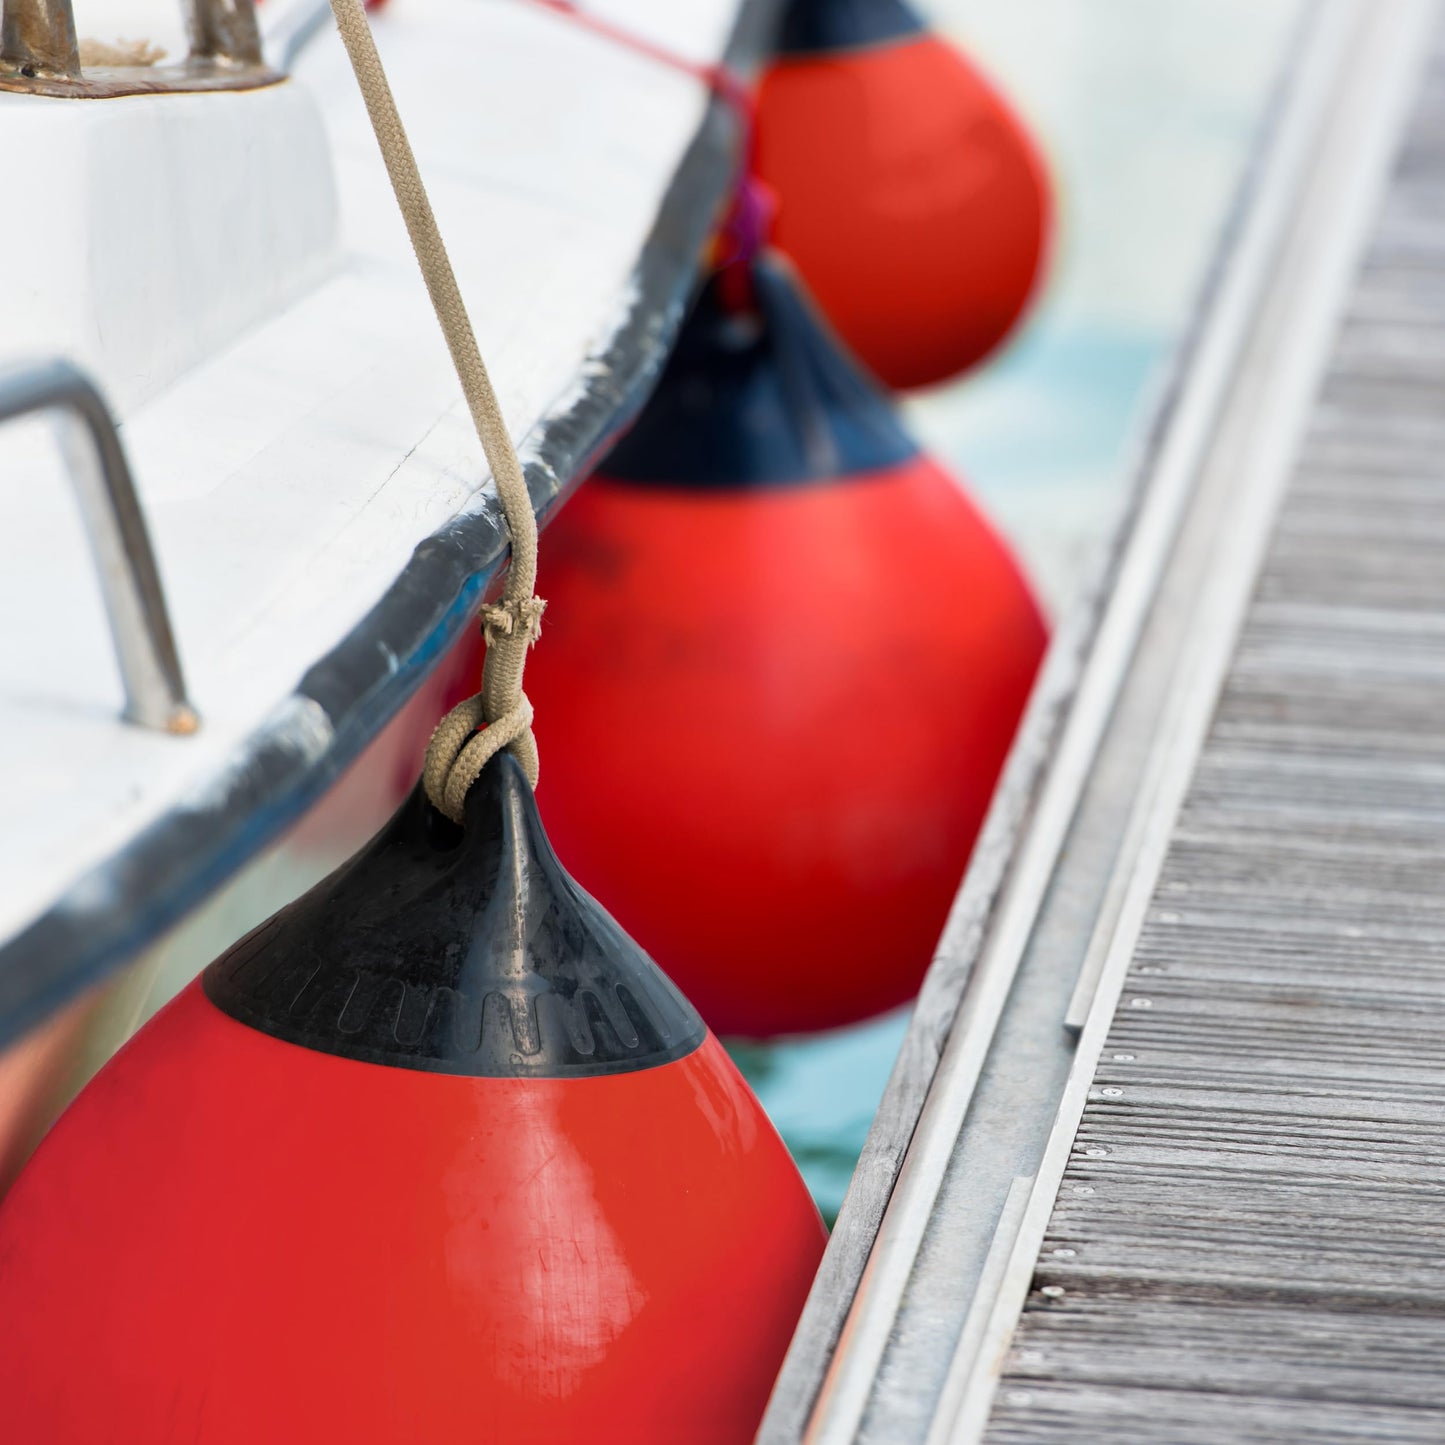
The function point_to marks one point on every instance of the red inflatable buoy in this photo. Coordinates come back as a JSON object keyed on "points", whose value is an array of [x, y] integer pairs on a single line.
{"points": [[817, 650], [910, 195], [437, 1154]]}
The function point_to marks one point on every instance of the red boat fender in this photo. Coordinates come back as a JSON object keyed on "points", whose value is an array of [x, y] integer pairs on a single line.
{"points": [[816, 647], [910, 194], [436, 1154]]}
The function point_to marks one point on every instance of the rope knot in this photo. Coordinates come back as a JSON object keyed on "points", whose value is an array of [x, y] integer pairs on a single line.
{"points": [[519, 617], [463, 743]]}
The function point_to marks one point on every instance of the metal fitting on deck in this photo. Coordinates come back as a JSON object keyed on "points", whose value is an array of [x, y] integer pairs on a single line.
{"points": [[37, 40], [40, 54], [224, 31]]}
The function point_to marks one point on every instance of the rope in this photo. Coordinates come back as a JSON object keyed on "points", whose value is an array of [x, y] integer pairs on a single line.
{"points": [[455, 757], [716, 77], [748, 224]]}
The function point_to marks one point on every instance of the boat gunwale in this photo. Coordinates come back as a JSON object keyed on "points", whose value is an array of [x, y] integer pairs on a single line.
{"points": [[112, 912]]}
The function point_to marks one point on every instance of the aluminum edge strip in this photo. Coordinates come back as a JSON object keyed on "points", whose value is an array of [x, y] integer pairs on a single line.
{"points": [[979, 1326]]}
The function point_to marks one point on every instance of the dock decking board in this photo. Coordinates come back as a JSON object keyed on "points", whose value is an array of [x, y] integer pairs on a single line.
{"points": [[1250, 1235]]}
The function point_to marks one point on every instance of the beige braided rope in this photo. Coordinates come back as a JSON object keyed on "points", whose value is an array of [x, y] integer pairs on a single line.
{"points": [[454, 757]]}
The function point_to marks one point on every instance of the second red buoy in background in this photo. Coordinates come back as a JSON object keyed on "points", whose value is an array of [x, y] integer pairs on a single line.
{"points": [[817, 650], [910, 195]]}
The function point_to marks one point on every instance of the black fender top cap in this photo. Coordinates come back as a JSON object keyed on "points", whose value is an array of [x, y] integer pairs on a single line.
{"points": [[460, 951], [765, 397], [828, 27]]}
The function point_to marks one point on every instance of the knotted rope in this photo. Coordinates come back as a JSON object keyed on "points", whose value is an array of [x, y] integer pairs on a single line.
{"points": [[454, 756]]}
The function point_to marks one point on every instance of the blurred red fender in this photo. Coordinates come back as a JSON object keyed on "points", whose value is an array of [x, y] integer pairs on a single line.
{"points": [[910, 195], [784, 659]]}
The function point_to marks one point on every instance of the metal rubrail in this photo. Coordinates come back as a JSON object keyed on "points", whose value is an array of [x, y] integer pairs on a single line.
{"points": [[150, 667], [40, 54]]}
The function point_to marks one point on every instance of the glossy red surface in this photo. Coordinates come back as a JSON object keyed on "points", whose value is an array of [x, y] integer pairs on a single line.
{"points": [[910, 196], [771, 723], [232, 1239]]}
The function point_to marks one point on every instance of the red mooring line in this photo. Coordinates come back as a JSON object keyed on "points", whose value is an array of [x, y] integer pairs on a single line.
{"points": [[745, 229]]}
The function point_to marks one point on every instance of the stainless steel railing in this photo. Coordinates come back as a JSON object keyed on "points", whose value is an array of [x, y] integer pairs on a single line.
{"points": [[150, 667]]}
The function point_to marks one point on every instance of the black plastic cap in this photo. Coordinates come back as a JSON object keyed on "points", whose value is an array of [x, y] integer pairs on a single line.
{"points": [[459, 951], [763, 396], [822, 27]]}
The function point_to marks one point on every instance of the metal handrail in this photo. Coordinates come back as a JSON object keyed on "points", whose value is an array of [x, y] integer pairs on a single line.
{"points": [[150, 667]]}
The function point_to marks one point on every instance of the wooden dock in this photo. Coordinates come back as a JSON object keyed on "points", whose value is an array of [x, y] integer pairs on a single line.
{"points": [[1164, 1157], [1249, 1240]]}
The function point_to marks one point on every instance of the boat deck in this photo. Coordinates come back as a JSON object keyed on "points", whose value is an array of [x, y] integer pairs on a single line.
{"points": [[322, 521], [1164, 1155]]}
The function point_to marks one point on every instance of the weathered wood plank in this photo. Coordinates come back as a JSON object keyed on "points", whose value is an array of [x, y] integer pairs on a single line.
{"points": [[1248, 1243]]}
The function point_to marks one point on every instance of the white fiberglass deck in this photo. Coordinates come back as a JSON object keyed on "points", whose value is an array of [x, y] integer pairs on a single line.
{"points": [[288, 406]]}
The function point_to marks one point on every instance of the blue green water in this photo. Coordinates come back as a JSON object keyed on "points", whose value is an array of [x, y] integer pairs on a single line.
{"points": [[1148, 113]]}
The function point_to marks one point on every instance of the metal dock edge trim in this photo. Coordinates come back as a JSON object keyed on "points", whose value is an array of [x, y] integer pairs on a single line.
{"points": [[1373, 52]]}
